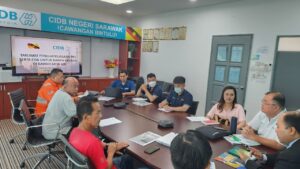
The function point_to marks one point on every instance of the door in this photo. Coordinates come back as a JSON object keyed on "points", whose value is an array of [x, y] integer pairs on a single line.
{"points": [[228, 66], [286, 78]]}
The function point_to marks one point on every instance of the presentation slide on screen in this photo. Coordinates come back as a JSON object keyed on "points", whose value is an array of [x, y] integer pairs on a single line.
{"points": [[41, 55]]}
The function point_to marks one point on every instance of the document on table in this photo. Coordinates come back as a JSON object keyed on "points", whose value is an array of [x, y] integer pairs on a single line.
{"points": [[212, 165], [164, 110], [239, 139], [166, 139], [109, 122], [196, 118], [141, 103], [145, 138], [84, 94], [105, 98]]}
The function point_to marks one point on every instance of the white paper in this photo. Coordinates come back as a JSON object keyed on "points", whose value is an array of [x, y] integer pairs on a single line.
{"points": [[105, 98], [242, 140], [163, 109], [109, 121], [166, 139], [139, 99], [141, 103], [84, 94], [145, 138], [197, 118], [212, 165]]}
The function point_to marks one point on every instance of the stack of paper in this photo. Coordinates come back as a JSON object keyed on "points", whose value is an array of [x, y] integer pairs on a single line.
{"points": [[164, 110], [239, 139], [141, 103], [109, 121], [84, 94], [204, 120], [105, 98], [196, 118], [145, 138], [166, 139]]}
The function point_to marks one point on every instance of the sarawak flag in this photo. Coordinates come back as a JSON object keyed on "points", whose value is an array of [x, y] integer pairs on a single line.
{"points": [[133, 34]]}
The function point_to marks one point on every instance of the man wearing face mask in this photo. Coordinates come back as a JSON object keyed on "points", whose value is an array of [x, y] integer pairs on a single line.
{"points": [[151, 90], [179, 99]]}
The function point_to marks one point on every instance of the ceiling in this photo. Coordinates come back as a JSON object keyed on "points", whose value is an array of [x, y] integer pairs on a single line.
{"points": [[139, 7]]}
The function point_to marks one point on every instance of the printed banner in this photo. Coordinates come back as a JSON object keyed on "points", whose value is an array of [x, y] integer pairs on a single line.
{"points": [[68, 25], [16, 18]]}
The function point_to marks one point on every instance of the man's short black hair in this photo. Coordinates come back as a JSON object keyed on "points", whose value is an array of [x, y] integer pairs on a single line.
{"points": [[190, 150], [123, 71], [278, 98], [179, 80], [292, 119], [84, 106], [150, 75], [55, 71]]}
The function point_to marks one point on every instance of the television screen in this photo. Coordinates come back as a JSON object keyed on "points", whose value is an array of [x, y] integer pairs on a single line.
{"points": [[38, 56]]}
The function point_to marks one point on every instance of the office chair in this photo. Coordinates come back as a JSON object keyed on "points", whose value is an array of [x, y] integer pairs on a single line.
{"points": [[193, 109], [75, 159], [15, 98], [138, 80], [34, 138]]}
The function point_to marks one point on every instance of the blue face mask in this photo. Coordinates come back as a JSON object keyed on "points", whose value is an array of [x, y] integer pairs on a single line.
{"points": [[178, 90]]}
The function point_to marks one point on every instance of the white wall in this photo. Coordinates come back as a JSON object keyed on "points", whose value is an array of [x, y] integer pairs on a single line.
{"points": [[265, 19], [96, 49]]}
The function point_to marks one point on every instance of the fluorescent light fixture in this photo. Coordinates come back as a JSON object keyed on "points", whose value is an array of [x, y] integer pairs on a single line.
{"points": [[129, 11], [193, 0], [117, 2]]}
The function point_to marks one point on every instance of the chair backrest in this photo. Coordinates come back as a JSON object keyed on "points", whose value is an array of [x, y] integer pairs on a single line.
{"points": [[25, 113], [193, 109], [138, 80], [15, 99], [75, 159]]}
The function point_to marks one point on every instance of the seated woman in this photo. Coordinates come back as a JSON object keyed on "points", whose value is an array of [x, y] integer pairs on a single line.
{"points": [[227, 107]]}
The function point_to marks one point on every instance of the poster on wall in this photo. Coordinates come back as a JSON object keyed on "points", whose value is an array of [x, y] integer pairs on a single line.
{"points": [[41, 55]]}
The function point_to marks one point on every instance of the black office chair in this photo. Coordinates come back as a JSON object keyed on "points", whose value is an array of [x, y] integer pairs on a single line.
{"points": [[138, 80], [15, 98], [75, 159], [193, 109], [34, 138]]}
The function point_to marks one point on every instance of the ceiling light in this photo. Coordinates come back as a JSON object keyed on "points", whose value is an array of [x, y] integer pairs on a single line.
{"points": [[129, 11], [117, 2], [193, 0]]}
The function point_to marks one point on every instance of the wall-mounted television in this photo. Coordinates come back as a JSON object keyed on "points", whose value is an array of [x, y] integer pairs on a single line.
{"points": [[38, 56]]}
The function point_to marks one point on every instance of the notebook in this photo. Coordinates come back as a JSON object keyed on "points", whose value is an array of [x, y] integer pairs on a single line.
{"points": [[166, 139]]}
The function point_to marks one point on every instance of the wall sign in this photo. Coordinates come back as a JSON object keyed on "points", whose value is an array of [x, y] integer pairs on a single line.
{"points": [[16, 18]]}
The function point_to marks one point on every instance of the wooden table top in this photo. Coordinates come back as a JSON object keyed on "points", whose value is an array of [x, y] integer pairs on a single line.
{"points": [[137, 120]]}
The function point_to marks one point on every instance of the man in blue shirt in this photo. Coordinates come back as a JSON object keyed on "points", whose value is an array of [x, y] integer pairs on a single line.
{"points": [[127, 86], [151, 90], [179, 99]]}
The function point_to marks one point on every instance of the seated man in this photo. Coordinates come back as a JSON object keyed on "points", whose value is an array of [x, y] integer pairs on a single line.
{"points": [[288, 132], [61, 109], [127, 86], [190, 150], [151, 90], [48, 89], [264, 122], [82, 139], [179, 99]]}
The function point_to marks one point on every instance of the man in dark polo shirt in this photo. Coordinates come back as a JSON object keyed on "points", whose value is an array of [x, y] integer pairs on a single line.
{"points": [[179, 99], [151, 90], [126, 86]]}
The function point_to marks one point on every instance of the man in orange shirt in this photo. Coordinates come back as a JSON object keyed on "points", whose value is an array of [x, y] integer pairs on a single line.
{"points": [[48, 89]]}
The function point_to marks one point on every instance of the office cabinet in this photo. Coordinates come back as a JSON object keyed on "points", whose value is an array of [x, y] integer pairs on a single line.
{"points": [[130, 57]]}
